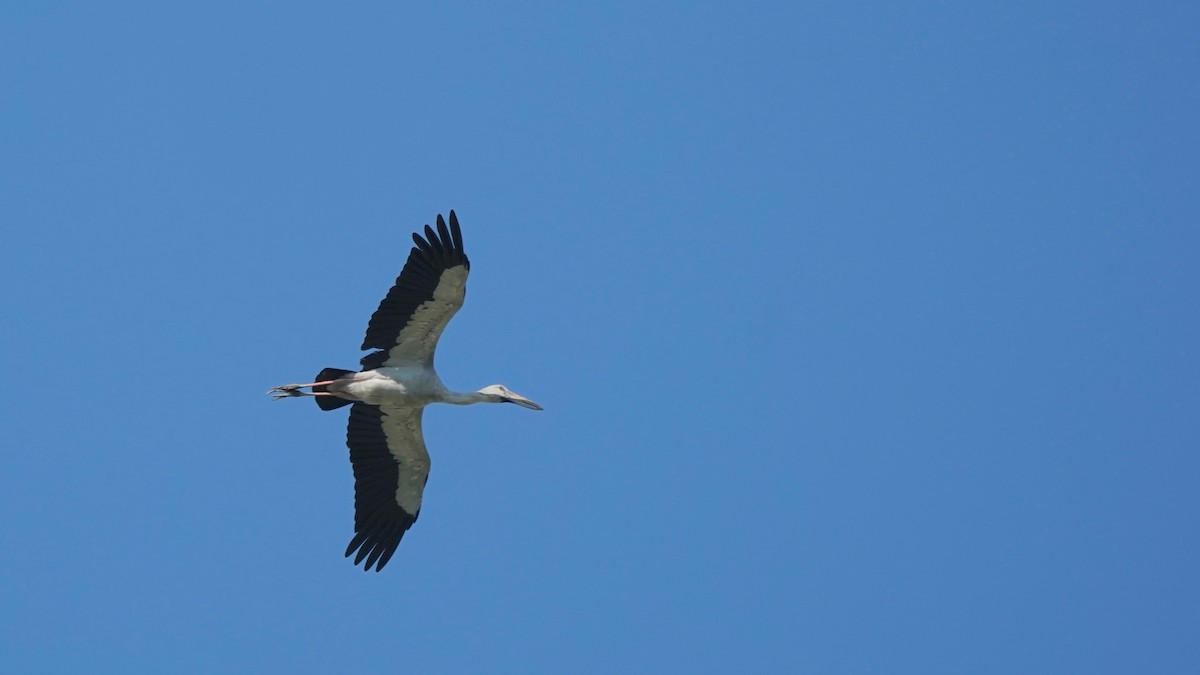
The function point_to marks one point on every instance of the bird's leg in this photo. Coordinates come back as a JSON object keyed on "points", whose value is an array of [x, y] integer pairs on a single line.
{"points": [[294, 390]]}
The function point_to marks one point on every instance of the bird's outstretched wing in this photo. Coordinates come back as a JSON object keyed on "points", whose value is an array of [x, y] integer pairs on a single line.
{"points": [[391, 466], [428, 292]]}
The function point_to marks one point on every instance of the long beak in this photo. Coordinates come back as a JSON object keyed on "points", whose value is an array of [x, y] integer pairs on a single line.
{"points": [[520, 400]]}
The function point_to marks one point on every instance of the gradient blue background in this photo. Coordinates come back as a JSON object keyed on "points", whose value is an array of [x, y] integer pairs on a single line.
{"points": [[867, 335]]}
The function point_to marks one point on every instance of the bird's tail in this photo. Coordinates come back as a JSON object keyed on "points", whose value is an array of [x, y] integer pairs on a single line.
{"points": [[330, 402]]}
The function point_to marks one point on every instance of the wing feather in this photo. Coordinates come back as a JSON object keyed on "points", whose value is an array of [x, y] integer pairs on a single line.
{"points": [[391, 465], [429, 291]]}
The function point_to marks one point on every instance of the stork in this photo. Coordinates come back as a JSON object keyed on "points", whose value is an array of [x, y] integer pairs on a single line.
{"points": [[389, 394]]}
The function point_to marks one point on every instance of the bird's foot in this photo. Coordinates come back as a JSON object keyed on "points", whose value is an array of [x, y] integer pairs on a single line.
{"points": [[286, 391]]}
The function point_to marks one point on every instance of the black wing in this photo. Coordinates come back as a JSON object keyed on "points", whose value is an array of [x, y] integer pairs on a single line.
{"points": [[387, 451], [429, 290]]}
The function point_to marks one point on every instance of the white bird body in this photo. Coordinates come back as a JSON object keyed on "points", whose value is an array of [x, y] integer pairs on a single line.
{"points": [[407, 386], [387, 446]]}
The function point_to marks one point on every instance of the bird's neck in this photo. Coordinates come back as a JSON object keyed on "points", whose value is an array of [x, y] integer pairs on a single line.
{"points": [[468, 397]]}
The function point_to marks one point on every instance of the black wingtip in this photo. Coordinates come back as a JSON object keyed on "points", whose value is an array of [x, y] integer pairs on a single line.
{"points": [[455, 232], [444, 235], [359, 538], [421, 243], [431, 236]]}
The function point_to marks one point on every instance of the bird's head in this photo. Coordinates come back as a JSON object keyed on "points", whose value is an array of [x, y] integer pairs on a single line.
{"points": [[502, 394]]}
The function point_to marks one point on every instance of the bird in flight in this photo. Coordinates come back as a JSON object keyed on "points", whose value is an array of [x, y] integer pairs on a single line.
{"points": [[397, 381]]}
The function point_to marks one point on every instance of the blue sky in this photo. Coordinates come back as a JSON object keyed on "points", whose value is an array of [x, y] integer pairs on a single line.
{"points": [[866, 335]]}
